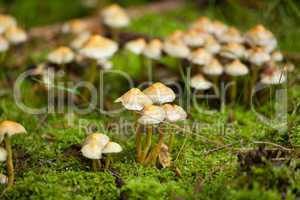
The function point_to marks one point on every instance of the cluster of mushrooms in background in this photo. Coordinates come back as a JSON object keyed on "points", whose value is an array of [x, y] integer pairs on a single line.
{"points": [[211, 50]]}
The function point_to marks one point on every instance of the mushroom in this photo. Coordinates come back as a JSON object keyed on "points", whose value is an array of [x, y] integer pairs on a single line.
{"points": [[200, 57], [61, 56], [7, 130], [218, 28], [80, 40], [214, 70], [203, 23], [273, 76], [198, 82], [212, 45], [15, 35], [235, 69], [277, 56], [233, 51], [6, 21], [115, 18], [195, 38], [160, 93], [231, 35], [111, 148], [3, 154], [152, 114], [136, 46], [3, 179], [75, 26]]}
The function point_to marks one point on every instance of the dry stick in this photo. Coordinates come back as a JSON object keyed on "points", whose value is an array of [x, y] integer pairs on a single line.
{"points": [[9, 162], [273, 144], [147, 143]]}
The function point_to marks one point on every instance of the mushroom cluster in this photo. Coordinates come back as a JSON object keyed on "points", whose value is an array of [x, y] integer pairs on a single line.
{"points": [[97, 144], [10, 33], [154, 109], [8, 129]]}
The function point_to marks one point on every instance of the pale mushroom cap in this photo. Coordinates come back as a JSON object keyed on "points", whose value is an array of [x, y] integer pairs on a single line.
{"points": [[200, 57], [61, 55], [176, 48], [153, 50], [75, 26], [117, 20], [198, 82], [3, 154], [98, 47], [10, 128], [174, 113], [203, 23], [260, 36], [258, 56], [236, 68], [134, 99], [15, 35], [194, 38], [92, 151], [80, 40], [97, 138], [160, 93], [152, 114], [214, 68], [232, 35], [218, 28], [4, 45], [112, 147], [111, 10], [212, 45], [277, 56], [273, 76], [233, 51], [6, 21], [136, 46]]}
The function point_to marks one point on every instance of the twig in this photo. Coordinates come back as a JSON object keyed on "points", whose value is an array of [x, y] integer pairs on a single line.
{"points": [[273, 144]]}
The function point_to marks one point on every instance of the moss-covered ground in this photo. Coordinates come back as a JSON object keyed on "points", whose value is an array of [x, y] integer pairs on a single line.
{"points": [[206, 162]]}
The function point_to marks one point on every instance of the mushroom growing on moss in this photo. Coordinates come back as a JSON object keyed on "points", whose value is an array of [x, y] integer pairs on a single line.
{"points": [[6, 21], [61, 56], [7, 130]]}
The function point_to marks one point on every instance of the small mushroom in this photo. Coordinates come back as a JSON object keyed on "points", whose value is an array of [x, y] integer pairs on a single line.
{"points": [[198, 82], [6, 21], [277, 56], [61, 56], [200, 57], [214, 70], [152, 114], [218, 28], [7, 130], [160, 93], [80, 40], [75, 26], [233, 51], [195, 38], [273, 76], [175, 47], [203, 23], [212, 45], [3, 154], [136, 46], [3, 179], [231, 35], [111, 148], [4, 45], [16, 35]]}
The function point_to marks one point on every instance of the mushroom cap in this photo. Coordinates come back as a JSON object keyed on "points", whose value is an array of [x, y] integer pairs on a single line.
{"points": [[92, 151], [80, 40], [218, 28], [134, 99], [4, 45], [195, 38], [198, 82], [117, 20], [153, 49], [258, 56], [6, 21], [176, 48], [98, 138], [15, 35], [136, 46], [260, 36], [152, 114], [61, 55], [233, 51], [75, 26], [200, 57], [214, 68], [232, 35], [174, 113], [111, 10], [10, 128], [212, 45], [236, 68], [203, 23], [3, 154], [98, 47], [112, 147], [277, 56], [273, 76], [159, 93]]}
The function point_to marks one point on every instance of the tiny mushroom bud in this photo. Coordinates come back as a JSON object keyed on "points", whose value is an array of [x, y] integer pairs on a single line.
{"points": [[15, 35], [98, 47], [198, 82], [4, 45], [134, 99], [136, 46], [62, 55], [152, 114], [6, 21], [232, 35], [160, 93], [233, 51], [3, 154], [236, 68], [153, 49], [174, 113], [3, 179], [75, 26], [258, 56], [200, 57]]}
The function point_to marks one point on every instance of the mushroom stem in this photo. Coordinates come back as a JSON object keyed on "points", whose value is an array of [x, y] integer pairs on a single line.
{"points": [[215, 80], [233, 90], [154, 153], [138, 143], [108, 161], [9, 162], [91, 78], [115, 34], [253, 81], [147, 143], [95, 165]]}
